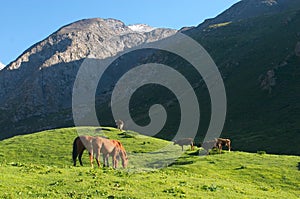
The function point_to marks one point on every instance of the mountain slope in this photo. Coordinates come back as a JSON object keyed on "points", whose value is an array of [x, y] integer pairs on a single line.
{"points": [[259, 63], [246, 9], [258, 58], [39, 83]]}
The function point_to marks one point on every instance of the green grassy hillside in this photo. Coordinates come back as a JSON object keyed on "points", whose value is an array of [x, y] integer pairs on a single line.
{"points": [[40, 166]]}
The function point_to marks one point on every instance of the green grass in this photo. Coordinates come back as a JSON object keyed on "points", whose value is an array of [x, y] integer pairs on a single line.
{"points": [[40, 166]]}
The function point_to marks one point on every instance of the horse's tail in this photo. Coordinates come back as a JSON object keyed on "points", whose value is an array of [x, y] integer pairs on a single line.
{"points": [[75, 153]]}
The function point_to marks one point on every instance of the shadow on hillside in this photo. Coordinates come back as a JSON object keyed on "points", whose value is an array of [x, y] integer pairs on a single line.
{"points": [[181, 163], [298, 166]]}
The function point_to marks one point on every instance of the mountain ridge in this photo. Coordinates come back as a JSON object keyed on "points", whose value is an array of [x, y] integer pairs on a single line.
{"points": [[246, 9]]}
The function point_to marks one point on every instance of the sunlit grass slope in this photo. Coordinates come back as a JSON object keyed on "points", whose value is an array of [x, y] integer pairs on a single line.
{"points": [[40, 166]]}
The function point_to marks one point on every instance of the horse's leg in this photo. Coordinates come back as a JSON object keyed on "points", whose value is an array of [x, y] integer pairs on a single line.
{"points": [[105, 160], [192, 146], [80, 156], [74, 158], [114, 158], [181, 147], [220, 148], [97, 157], [104, 164], [115, 162], [91, 158]]}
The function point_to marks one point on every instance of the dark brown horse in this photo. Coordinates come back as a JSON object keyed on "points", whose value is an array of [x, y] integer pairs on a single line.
{"points": [[79, 145]]}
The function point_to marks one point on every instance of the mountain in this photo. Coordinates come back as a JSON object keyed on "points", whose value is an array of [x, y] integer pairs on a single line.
{"points": [[39, 83], [258, 56], [246, 9], [1, 66], [257, 52]]}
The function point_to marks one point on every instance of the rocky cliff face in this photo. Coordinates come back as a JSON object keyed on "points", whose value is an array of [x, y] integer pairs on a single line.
{"points": [[40, 81]]}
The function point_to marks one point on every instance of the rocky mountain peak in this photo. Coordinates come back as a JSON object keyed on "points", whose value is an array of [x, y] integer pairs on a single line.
{"points": [[98, 38], [94, 24]]}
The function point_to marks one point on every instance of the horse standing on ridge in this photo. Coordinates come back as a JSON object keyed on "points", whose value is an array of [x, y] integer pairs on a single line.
{"points": [[185, 141], [221, 142], [120, 124]]}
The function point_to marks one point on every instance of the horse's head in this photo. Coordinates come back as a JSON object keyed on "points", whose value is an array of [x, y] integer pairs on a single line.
{"points": [[175, 142]]}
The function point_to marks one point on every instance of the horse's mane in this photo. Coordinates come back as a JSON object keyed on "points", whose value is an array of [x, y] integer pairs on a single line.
{"points": [[120, 146]]}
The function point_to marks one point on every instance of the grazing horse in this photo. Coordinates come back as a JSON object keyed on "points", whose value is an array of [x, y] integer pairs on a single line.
{"points": [[109, 148], [185, 141], [121, 152], [207, 145], [79, 145], [221, 142], [120, 124]]}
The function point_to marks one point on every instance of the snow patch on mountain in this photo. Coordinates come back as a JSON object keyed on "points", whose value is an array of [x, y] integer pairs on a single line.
{"points": [[1, 66], [141, 28]]}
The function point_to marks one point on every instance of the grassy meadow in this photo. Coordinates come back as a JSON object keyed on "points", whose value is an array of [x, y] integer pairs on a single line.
{"points": [[40, 166]]}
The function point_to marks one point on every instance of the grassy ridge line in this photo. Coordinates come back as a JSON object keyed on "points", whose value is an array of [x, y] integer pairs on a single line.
{"points": [[42, 169]]}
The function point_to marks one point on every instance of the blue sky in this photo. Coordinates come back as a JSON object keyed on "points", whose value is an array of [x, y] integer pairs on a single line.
{"points": [[25, 22]]}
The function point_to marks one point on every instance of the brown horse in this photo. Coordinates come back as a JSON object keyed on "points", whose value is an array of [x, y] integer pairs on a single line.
{"points": [[121, 153], [210, 144], [79, 145], [223, 142], [185, 141], [109, 148]]}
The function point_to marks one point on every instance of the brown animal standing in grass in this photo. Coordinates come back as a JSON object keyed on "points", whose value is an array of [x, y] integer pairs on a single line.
{"points": [[109, 148], [120, 124], [185, 141], [223, 142], [121, 153], [210, 144], [95, 145], [79, 145]]}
